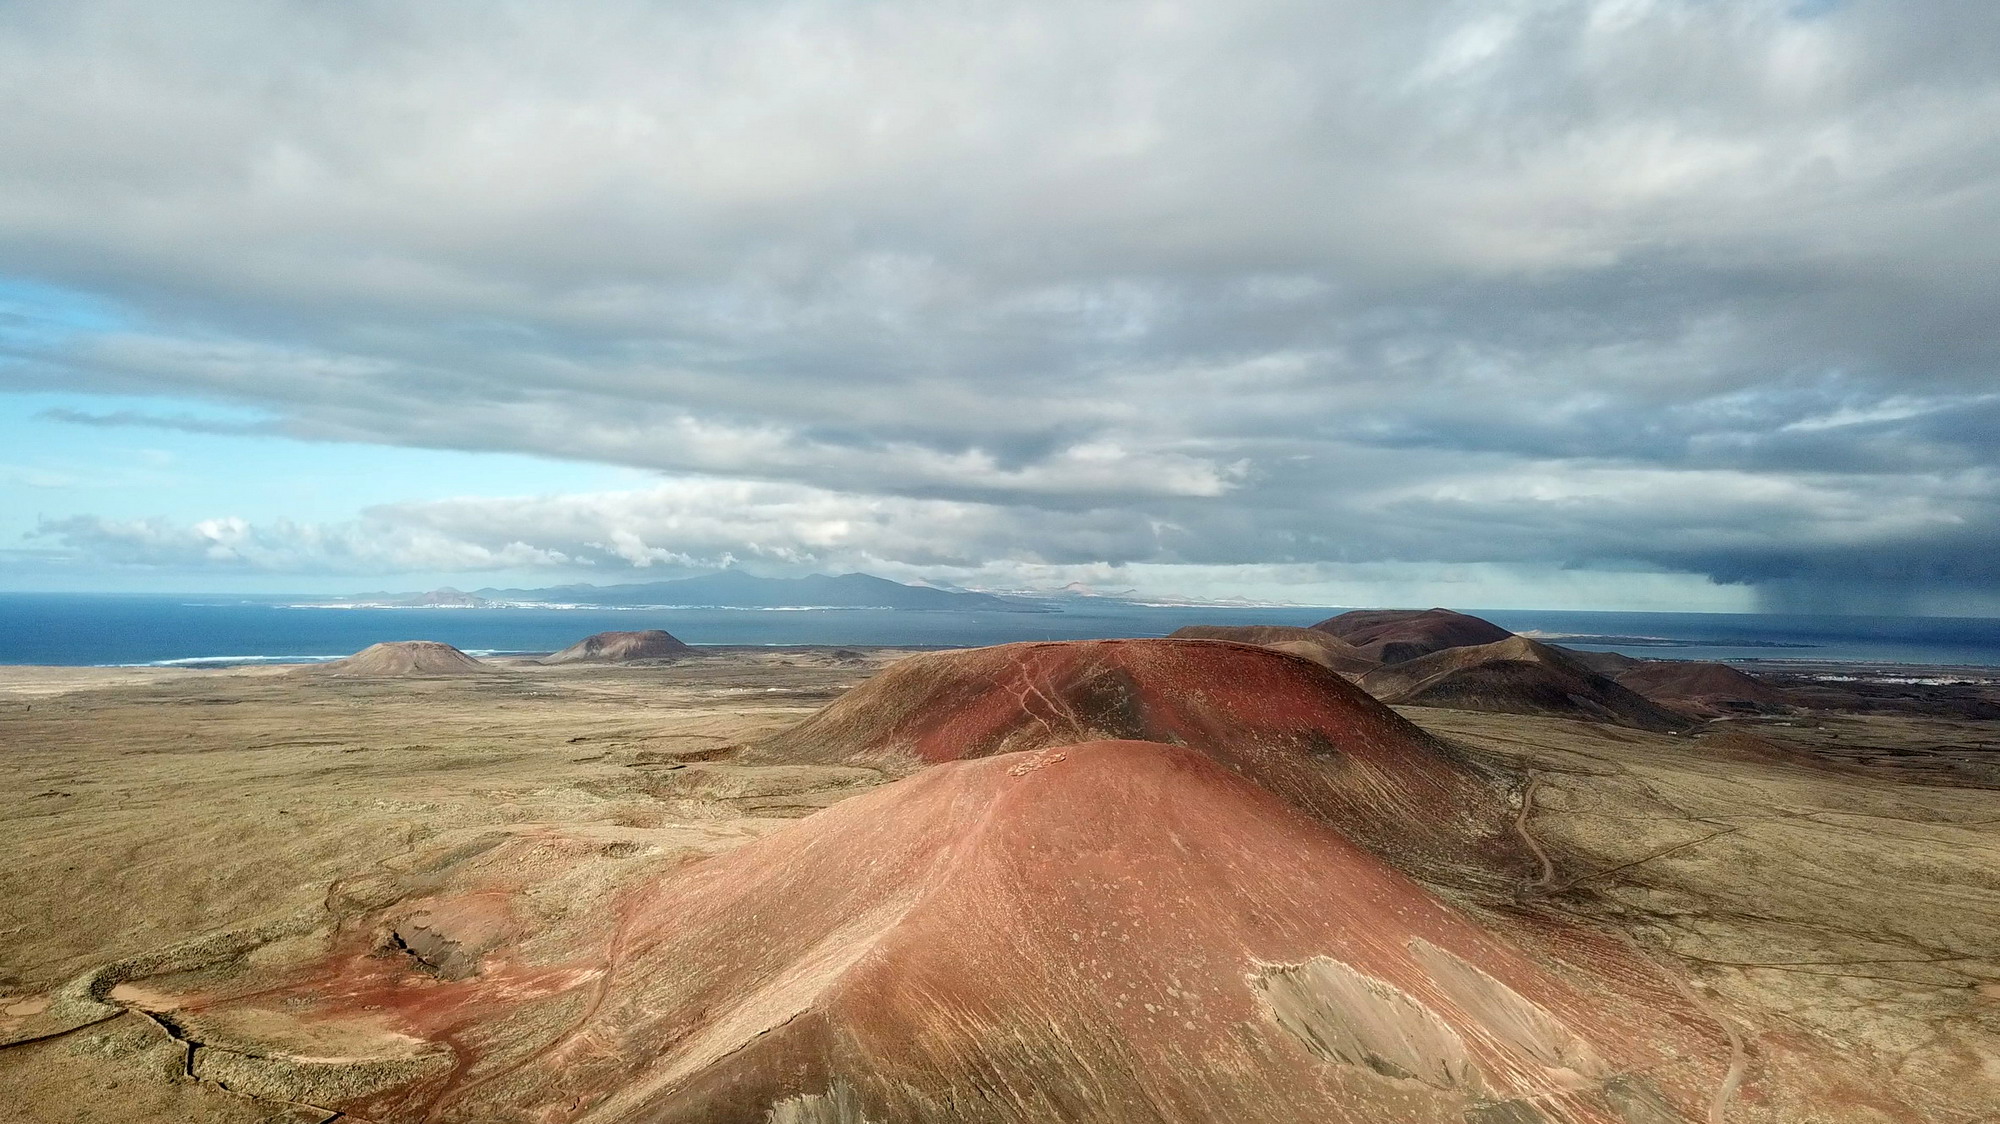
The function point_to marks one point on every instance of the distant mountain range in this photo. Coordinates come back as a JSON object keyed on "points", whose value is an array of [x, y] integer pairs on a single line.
{"points": [[729, 589]]}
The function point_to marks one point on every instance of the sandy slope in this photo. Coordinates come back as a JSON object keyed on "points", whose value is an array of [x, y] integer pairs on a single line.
{"points": [[410, 658]]}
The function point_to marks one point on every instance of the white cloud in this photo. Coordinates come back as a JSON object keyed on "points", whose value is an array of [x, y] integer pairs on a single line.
{"points": [[1199, 283], [693, 526]]}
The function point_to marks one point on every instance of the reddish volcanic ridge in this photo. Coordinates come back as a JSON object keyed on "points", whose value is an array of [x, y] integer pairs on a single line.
{"points": [[1517, 676], [1113, 931], [1395, 635], [1295, 728], [621, 647], [1322, 648]]}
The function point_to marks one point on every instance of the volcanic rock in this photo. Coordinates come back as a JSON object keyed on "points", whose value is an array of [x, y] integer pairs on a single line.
{"points": [[1517, 676], [621, 647], [403, 658], [1699, 687], [1299, 730], [1608, 664], [1395, 635], [1113, 931], [1323, 648]]}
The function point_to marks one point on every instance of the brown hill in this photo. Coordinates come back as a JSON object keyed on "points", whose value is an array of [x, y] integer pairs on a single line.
{"points": [[402, 658], [1701, 687], [1609, 664], [1517, 676], [1114, 931], [1396, 635], [621, 647], [1297, 729], [1323, 648]]}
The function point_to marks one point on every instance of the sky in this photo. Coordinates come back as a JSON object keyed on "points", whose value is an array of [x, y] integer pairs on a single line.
{"points": [[1592, 304]]}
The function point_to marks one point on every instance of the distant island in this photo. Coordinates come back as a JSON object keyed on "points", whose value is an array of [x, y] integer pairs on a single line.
{"points": [[729, 589]]}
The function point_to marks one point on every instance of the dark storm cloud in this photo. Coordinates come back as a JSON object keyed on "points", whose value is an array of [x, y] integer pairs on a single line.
{"points": [[1615, 283]]}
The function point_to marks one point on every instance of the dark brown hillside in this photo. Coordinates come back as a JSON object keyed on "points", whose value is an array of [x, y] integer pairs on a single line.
{"points": [[1517, 676], [1710, 689], [622, 647], [1322, 648], [1396, 635]]}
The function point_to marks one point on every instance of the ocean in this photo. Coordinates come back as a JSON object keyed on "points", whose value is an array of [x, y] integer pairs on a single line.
{"points": [[123, 630]]}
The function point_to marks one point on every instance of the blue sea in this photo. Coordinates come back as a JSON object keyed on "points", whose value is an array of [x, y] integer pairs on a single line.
{"points": [[108, 629]]}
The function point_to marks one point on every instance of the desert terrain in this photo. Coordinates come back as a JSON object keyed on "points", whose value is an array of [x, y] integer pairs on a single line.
{"points": [[721, 886]]}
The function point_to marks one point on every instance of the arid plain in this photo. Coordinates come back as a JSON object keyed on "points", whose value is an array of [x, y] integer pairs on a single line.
{"points": [[250, 895]]}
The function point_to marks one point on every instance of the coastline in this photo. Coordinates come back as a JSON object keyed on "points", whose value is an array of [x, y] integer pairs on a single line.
{"points": [[38, 630]]}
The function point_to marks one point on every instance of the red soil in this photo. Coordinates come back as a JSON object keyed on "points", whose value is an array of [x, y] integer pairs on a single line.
{"points": [[1108, 931], [1395, 635], [1299, 730]]}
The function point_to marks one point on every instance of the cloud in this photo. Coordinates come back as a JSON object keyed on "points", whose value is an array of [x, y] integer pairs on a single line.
{"points": [[233, 544], [1630, 524], [1582, 283], [183, 423]]}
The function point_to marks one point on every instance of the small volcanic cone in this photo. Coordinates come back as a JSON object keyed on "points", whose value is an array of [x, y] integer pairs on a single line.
{"points": [[1297, 729], [621, 647], [1517, 676], [1114, 931], [1396, 635], [1702, 688], [1323, 648], [407, 658]]}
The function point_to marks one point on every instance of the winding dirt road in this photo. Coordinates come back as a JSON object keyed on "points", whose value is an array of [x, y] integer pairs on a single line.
{"points": [[1739, 1049]]}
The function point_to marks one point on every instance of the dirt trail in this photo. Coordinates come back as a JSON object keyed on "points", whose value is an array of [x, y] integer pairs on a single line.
{"points": [[1739, 1050], [1548, 873]]}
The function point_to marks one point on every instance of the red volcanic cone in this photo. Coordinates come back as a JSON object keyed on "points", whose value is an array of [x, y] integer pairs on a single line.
{"points": [[1297, 729], [1105, 932]]}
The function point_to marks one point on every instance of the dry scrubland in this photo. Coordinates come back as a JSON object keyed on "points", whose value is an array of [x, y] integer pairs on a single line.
{"points": [[1818, 889]]}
